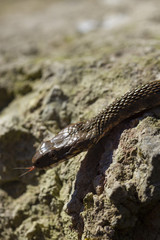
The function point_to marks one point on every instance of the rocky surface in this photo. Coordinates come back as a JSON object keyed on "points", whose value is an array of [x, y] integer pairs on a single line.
{"points": [[62, 62]]}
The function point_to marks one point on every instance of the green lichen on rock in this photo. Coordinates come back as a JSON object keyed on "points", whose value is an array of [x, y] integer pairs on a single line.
{"points": [[88, 201]]}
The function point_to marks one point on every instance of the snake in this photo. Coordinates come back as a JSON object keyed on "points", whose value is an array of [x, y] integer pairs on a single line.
{"points": [[81, 136]]}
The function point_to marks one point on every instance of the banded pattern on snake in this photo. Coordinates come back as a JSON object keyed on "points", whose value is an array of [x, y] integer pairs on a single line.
{"points": [[81, 136]]}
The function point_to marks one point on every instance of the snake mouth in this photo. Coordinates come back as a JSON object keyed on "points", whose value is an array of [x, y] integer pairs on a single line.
{"points": [[52, 165]]}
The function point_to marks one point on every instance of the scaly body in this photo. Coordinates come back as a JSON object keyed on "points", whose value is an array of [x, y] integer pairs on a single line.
{"points": [[81, 136]]}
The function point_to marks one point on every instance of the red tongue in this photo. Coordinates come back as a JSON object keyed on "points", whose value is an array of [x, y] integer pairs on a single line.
{"points": [[29, 170]]}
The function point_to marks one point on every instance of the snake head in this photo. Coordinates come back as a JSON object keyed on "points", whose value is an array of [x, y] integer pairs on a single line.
{"points": [[46, 156], [66, 144]]}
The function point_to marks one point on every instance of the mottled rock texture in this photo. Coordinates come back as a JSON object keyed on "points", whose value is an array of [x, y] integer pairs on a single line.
{"points": [[62, 62]]}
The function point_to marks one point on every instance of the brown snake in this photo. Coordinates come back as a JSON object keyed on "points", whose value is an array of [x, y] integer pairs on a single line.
{"points": [[81, 136]]}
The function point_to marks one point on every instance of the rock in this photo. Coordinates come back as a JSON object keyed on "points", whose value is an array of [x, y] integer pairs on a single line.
{"points": [[6, 96], [55, 107], [131, 186], [50, 76]]}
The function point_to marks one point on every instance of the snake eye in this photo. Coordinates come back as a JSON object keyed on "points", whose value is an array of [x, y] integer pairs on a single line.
{"points": [[42, 161]]}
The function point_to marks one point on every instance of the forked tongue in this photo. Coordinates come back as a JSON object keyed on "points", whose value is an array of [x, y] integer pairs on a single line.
{"points": [[29, 170]]}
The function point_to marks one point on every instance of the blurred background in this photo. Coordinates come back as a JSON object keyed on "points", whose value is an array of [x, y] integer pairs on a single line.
{"points": [[47, 28]]}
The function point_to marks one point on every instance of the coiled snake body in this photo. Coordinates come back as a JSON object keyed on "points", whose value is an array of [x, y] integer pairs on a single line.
{"points": [[81, 136]]}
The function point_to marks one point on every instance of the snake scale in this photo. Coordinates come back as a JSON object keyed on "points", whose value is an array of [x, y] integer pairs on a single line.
{"points": [[79, 137]]}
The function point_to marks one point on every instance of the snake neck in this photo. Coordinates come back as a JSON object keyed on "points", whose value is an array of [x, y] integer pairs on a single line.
{"points": [[81, 136], [131, 103]]}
